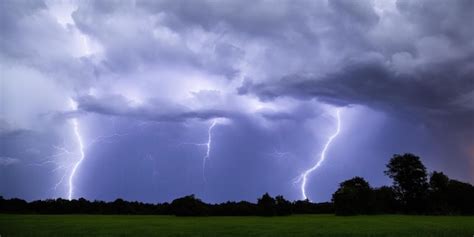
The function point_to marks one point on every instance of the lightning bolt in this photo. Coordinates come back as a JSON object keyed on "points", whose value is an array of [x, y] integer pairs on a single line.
{"points": [[82, 155], [61, 152], [304, 176], [68, 167], [208, 146]]}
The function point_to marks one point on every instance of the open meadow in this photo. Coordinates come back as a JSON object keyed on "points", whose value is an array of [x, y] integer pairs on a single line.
{"points": [[296, 225]]}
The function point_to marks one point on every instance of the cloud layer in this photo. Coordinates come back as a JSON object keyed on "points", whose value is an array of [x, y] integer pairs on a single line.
{"points": [[150, 75]]}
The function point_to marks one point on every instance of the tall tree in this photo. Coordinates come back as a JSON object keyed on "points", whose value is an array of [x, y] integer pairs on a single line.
{"points": [[438, 193], [353, 197], [409, 180], [189, 206], [460, 197], [438, 181]]}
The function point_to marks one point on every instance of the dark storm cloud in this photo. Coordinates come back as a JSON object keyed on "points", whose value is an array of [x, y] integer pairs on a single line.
{"points": [[433, 79], [252, 18], [265, 65], [166, 111], [155, 110], [164, 32], [33, 39], [292, 31], [430, 92], [301, 112], [284, 19], [132, 38], [449, 19]]}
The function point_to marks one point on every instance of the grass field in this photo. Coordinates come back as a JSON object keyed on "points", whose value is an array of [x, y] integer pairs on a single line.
{"points": [[298, 225]]}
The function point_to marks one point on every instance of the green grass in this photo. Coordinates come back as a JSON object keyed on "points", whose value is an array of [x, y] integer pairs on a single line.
{"points": [[298, 225]]}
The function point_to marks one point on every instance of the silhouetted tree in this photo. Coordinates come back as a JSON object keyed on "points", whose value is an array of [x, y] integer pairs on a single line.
{"points": [[119, 206], [14, 205], [302, 206], [241, 208], [353, 197], [385, 200], [2, 204], [409, 181], [460, 197], [266, 205], [189, 206], [438, 181], [438, 193], [283, 206], [307, 207]]}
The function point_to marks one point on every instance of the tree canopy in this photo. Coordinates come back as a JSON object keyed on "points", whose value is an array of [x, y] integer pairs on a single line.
{"points": [[409, 181]]}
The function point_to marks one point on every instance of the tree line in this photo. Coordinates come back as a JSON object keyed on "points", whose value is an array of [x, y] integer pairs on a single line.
{"points": [[413, 192], [184, 206]]}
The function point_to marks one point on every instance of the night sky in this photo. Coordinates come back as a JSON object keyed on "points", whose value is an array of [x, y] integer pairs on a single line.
{"points": [[229, 99]]}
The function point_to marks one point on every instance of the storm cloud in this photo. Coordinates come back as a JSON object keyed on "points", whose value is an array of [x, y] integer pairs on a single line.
{"points": [[150, 77]]}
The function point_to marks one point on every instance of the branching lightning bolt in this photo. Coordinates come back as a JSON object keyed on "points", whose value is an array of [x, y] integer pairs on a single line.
{"points": [[61, 152], [82, 155], [68, 162], [304, 176]]}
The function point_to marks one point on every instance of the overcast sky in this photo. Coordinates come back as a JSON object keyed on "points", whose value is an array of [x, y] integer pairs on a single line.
{"points": [[229, 99]]}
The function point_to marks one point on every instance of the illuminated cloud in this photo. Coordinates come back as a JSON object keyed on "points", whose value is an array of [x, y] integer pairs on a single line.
{"points": [[162, 71]]}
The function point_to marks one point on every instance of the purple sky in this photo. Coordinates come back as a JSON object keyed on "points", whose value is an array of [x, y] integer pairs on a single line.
{"points": [[229, 99]]}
